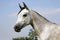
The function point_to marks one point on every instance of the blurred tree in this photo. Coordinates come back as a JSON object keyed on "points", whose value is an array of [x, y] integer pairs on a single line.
{"points": [[28, 38], [21, 38], [32, 34]]}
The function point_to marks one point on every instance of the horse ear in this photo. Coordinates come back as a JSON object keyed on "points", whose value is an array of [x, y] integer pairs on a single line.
{"points": [[25, 5], [20, 6]]}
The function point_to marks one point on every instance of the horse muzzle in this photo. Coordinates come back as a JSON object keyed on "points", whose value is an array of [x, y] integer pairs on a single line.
{"points": [[17, 28]]}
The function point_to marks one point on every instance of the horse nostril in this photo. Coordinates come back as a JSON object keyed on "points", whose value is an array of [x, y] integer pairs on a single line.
{"points": [[17, 28]]}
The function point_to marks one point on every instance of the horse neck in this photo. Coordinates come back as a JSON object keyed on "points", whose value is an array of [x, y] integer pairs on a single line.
{"points": [[38, 22]]}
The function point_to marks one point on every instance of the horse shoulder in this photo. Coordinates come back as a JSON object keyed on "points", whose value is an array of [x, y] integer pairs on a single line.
{"points": [[45, 33], [55, 33], [50, 32]]}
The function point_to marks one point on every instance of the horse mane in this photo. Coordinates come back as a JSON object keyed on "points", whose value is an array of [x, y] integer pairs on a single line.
{"points": [[21, 10], [40, 15]]}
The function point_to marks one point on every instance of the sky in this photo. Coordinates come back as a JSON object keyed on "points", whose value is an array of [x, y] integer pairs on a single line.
{"points": [[9, 9]]}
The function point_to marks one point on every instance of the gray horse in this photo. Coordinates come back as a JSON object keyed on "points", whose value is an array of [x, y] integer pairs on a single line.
{"points": [[45, 29]]}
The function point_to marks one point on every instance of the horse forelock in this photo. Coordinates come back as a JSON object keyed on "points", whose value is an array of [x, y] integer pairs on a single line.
{"points": [[21, 10]]}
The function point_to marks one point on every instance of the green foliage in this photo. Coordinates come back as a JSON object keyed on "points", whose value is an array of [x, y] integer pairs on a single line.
{"points": [[31, 35], [22, 38], [28, 38]]}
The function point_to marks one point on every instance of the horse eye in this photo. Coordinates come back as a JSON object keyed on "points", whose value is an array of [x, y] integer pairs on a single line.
{"points": [[24, 15]]}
